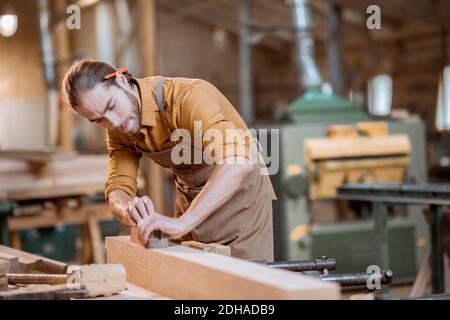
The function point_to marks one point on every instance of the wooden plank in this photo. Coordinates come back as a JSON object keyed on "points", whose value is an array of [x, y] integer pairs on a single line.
{"points": [[208, 247], [27, 261], [137, 292], [373, 129], [183, 273], [323, 148], [13, 261]]}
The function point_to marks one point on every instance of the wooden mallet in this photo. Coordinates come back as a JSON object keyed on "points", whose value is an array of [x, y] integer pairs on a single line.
{"points": [[97, 279]]}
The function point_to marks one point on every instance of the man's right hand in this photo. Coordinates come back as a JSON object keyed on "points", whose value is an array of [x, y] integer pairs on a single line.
{"points": [[118, 204], [123, 206], [140, 208]]}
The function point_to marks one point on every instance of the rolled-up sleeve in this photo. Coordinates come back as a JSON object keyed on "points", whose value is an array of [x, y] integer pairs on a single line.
{"points": [[220, 136], [123, 164]]}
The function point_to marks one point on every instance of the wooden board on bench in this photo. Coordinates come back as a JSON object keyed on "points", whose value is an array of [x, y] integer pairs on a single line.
{"points": [[183, 273]]}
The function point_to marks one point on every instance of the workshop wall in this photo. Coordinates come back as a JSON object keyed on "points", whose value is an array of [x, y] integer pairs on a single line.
{"points": [[22, 85]]}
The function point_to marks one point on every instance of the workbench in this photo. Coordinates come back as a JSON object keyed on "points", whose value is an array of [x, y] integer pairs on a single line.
{"points": [[436, 196], [28, 263]]}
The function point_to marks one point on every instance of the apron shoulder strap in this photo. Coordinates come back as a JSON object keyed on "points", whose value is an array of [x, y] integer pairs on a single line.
{"points": [[159, 95], [162, 109]]}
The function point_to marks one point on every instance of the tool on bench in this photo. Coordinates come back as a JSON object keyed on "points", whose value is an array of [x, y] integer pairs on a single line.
{"points": [[208, 247], [97, 280], [156, 239], [319, 268]]}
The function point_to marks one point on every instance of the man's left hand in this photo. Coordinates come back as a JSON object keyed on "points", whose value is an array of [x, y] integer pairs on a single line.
{"points": [[172, 227]]}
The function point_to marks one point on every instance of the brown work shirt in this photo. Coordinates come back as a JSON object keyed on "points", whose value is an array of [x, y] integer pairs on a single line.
{"points": [[186, 101]]}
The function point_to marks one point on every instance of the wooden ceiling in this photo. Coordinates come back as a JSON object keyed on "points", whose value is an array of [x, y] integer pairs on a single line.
{"points": [[401, 19]]}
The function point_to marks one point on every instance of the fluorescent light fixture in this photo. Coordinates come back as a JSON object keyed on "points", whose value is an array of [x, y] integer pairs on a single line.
{"points": [[380, 95], [8, 21], [443, 104]]}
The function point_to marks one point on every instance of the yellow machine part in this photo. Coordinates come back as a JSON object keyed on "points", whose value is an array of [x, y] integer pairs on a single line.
{"points": [[333, 162]]}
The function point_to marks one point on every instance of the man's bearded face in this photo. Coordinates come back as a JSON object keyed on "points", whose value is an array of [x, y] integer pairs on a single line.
{"points": [[112, 108]]}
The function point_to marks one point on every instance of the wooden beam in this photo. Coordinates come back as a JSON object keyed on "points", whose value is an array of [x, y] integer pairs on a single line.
{"points": [[184, 273]]}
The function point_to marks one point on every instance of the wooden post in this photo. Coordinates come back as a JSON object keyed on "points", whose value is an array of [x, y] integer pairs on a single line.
{"points": [[62, 53], [147, 36], [154, 174]]}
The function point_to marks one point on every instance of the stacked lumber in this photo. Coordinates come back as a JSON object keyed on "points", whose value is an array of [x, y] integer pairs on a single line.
{"points": [[80, 175], [61, 176], [27, 262], [41, 155]]}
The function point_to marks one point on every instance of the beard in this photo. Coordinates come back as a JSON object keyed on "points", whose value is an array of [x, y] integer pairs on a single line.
{"points": [[135, 115]]}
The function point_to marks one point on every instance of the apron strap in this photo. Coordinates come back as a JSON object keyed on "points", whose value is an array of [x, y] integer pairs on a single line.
{"points": [[159, 95], [162, 110]]}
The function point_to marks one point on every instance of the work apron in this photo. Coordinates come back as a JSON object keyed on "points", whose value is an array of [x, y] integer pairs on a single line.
{"points": [[244, 222]]}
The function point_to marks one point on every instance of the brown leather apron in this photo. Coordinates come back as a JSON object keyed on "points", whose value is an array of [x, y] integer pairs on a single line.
{"points": [[244, 222]]}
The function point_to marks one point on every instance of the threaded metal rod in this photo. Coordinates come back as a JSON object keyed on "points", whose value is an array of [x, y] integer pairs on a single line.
{"points": [[305, 265], [359, 279]]}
